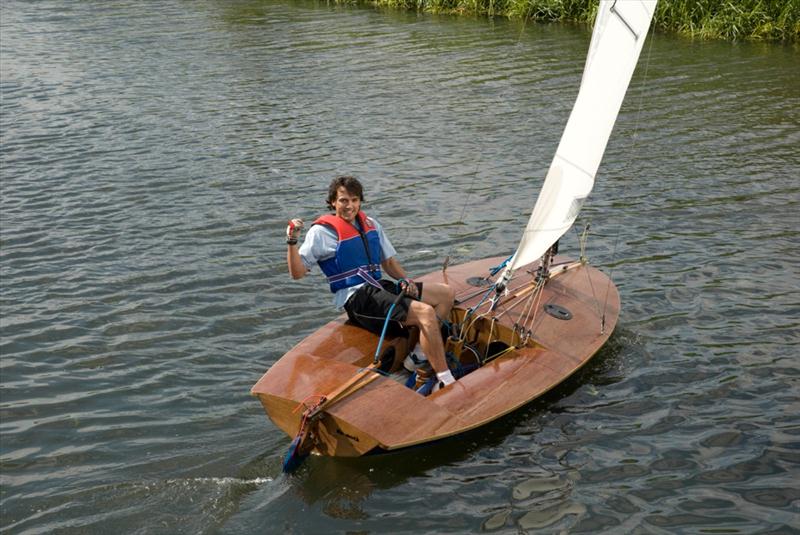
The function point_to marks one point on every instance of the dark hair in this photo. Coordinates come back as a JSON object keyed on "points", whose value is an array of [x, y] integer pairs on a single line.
{"points": [[350, 183]]}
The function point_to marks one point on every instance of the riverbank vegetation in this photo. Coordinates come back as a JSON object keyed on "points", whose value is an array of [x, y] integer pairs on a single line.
{"points": [[766, 20]]}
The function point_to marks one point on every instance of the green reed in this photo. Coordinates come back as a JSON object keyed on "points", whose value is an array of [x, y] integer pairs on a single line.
{"points": [[767, 20]]}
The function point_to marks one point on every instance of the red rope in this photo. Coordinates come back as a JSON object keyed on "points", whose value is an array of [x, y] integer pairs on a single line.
{"points": [[309, 407]]}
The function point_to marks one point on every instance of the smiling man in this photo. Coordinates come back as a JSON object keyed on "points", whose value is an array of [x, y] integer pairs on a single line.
{"points": [[353, 251]]}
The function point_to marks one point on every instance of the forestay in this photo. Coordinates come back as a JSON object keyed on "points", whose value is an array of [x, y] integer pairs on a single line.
{"points": [[619, 33]]}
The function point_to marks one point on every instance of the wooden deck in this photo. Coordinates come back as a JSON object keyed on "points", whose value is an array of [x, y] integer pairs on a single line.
{"points": [[386, 415]]}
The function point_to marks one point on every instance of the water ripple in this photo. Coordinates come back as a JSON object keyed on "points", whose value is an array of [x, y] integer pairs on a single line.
{"points": [[147, 175]]}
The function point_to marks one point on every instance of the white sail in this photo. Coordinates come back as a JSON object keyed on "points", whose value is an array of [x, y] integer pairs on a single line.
{"points": [[619, 33]]}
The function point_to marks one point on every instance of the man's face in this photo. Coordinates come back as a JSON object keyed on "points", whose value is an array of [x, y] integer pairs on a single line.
{"points": [[347, 205]]}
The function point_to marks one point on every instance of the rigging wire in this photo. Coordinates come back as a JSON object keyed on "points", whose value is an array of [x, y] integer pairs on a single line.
{"points": [[582, 239], [530, 304], [632, 153], [466, 202], [528, 323], [461, 217]]}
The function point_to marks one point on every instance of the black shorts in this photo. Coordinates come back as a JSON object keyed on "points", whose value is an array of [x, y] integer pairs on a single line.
{"points": [[368, 307]]}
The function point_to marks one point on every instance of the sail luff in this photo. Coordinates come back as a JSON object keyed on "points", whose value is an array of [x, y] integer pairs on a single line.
{"points": [[617, 39]]}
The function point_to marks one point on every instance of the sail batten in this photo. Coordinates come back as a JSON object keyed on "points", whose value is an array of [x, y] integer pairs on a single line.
{"points": [[617, 39]]}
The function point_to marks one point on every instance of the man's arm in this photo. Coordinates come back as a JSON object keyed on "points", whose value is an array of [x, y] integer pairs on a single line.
{"points": [[297, 269], [396, 271], [393, 268]]}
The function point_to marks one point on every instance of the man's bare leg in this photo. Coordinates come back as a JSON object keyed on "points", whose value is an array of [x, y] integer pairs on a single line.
{"points": [[423, 316], [440, 296]]}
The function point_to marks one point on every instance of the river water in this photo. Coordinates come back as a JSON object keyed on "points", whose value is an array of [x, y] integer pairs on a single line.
{"points": [[152, 153]]}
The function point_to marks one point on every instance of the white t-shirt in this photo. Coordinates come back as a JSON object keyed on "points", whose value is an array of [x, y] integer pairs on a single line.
{"points": [[320, 243]]}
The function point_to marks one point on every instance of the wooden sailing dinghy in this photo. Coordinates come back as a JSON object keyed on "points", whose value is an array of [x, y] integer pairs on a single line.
{"points": [[521, 326]]}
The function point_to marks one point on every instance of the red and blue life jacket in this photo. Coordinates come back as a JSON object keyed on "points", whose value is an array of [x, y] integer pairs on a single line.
{"points": [[358, 254]]}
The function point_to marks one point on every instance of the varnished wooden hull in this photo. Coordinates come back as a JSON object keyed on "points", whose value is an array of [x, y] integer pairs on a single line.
{"points": [[385, 415]]}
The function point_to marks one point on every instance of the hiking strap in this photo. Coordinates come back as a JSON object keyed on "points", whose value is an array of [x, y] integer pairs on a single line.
{"points": [[362, 271]]}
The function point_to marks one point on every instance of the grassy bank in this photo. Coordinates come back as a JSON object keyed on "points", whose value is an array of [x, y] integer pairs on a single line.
{"points": [[767, 20]]}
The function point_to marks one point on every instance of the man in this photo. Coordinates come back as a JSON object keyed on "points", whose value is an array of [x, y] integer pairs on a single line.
{"points": [[352, 249]]}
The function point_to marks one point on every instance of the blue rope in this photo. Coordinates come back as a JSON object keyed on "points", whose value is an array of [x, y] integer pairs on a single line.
{"points": [[376, 358], [489, 291], [493, 271]]}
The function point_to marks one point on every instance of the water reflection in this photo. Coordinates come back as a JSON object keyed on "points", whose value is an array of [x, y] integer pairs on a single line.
{"points": [[342, 485]]}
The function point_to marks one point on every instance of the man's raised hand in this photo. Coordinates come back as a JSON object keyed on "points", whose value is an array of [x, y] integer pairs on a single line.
{"points": [[293, 230]]}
